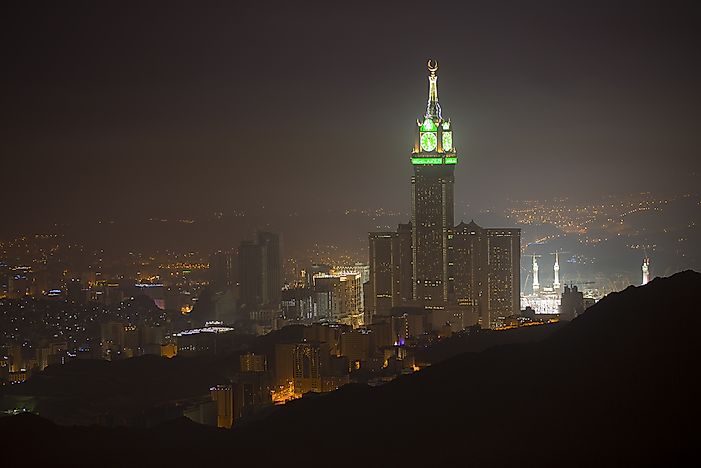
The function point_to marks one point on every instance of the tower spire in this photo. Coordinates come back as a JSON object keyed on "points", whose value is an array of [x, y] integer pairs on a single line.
{"points": [[646, 270], [646, 267], [433, 108]]}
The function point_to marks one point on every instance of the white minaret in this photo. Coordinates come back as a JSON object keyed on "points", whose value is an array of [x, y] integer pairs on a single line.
{"points": [[646, 270], [556, 269], [536, 283]]}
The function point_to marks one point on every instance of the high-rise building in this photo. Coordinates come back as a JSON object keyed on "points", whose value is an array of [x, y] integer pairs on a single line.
{"points": [[363, 270], [503, 274], [308, 362], [284, 365], [298, 303], [271, 267], [382, 272], [403, 259], [250, 283], [342, 293], [391, 276], [307, 359], [260, 272], [433, 159], [222, 273], [466, 274], [468, 268], [300, 364]]}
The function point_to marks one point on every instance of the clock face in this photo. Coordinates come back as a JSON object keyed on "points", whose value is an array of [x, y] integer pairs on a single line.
{"points": [[429, 141], [447, 141]]}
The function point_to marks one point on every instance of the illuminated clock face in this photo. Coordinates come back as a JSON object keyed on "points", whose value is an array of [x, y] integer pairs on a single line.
{"points": [[447, 141], [429, 141]]}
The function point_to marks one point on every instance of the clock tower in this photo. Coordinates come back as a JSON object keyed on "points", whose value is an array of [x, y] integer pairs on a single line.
{"points": [[464, 275], [433, 158]]}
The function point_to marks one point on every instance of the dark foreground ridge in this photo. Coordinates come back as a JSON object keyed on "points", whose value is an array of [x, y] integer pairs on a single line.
{"points": [[617, 386]]}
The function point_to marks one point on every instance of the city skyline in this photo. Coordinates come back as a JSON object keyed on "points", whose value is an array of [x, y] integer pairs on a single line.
{"points": [[322, 234], [182, 132], [464, 275]]}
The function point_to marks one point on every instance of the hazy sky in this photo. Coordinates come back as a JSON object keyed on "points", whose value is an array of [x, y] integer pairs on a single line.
{"points": [[188, 107]]}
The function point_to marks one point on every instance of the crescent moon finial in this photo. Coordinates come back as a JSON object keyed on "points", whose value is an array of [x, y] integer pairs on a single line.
{"points": [[432, 66]]}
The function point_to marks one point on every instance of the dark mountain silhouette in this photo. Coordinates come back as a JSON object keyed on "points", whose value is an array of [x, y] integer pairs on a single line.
{"points": [[616, 387], [131, 391], [470, 342]]}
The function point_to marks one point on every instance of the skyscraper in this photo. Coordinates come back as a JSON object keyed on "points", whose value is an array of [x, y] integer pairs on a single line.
{"points": [[503, 274], [250, 275], [260, 272], [403, 259], [382, 272], [465, 274], [222, 271], [300, 364], [485, 265], [433, 159], [391, 275], [468, 259], [271, 267]]}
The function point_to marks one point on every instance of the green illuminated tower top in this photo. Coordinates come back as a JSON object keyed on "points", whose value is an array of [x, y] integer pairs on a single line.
{"points": [[434, 142]]}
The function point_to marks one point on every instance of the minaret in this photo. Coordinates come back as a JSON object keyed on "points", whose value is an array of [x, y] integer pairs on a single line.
{"points": [[433, 158], [536, 283], [556, 269], [646, 270]]}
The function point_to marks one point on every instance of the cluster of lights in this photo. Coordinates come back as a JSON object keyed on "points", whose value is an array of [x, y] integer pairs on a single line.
{"points": [[197, 331], [432, 161], [428, 142]]}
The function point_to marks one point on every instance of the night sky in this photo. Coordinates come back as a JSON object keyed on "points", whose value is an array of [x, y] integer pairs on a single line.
{"points": [[182, 108]]}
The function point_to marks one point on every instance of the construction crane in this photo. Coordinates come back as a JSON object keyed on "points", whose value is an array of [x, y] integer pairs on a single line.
{"points": [[576, 283]]}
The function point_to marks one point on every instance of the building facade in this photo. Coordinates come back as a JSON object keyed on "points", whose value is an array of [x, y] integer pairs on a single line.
{"points": [[223, 396], [260, 272]]}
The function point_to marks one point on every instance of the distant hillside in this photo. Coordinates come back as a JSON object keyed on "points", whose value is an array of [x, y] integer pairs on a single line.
{"points": [[617, 386], [484, 339]]}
